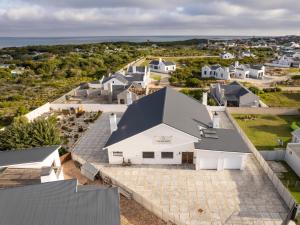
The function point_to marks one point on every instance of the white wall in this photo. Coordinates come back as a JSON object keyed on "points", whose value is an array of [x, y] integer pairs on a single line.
{"points": [[133, 147], [292, 159], [237, 160], [112, 81], [92, 107], [38, 112]]}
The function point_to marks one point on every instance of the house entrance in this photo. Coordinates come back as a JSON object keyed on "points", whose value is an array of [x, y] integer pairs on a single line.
{"points": [[187, 157]]}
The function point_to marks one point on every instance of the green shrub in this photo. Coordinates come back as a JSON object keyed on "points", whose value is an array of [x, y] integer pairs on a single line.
{"points": [[296, 77], [294, 126]]}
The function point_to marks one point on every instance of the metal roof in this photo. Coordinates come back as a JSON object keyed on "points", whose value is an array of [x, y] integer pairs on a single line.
{"points": [[28, 155], [58, 203], [226, 140], [164, 106]]}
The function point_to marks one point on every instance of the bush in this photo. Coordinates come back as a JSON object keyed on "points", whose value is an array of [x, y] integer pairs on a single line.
{"points": [[255, 90], [294, 126], [296, 77], [22, 134], [275, 89]]}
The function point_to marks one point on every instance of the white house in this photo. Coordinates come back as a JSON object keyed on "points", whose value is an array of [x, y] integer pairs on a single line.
{"points": [[227, 55], [243, 71], [43, 161], [296, 136], [162, 66], [168, 127], [215, 71], [247, 54], [292, 156]]}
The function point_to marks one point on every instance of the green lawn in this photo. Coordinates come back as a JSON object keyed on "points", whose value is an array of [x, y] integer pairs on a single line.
{"points": [[265, 130], [281, 99], [291, 181]]}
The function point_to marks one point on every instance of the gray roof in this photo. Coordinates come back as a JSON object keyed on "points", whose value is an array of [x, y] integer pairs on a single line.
{"points": [[234, 91], [296, 133], [135, 77], [226, 140], [29, 155], [117, 76], [164, 106], [58, 203], [138, 69], [167, 63], [256, 67]]}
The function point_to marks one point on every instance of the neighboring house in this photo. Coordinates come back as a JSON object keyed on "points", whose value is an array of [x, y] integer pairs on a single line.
{"points": [[247, 54], [168, 127], [234, 95], [4, 66], [162, 66], [227, 55], [292, 156], [28, 166], [296, 136], [243, 71], [215, 71], [130, 94], [58, 203], [283, 61]]}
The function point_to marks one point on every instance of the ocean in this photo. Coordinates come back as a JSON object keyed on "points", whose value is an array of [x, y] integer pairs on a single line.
{"points": [[33, 41]]}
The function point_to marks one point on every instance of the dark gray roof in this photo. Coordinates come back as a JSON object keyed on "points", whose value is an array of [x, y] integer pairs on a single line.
{"points": [[234, 90], [58, 203], [167, 63], [135, 77], [256, 67], [228, 140], [28, 155], [164, 106]]}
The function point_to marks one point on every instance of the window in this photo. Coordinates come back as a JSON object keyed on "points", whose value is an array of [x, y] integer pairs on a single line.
{"points": [[148, 155], [120, 154], [167, 155], [122, 101]]}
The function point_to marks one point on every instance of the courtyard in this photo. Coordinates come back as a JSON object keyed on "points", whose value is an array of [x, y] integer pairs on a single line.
{"points": [[192, 197]]}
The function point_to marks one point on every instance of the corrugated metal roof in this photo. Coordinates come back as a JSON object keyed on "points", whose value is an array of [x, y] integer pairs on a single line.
{"points": [[59, 203], [28, 155]]}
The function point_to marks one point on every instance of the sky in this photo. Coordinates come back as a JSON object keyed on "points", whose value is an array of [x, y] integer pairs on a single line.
{"points": [[50, 18]]}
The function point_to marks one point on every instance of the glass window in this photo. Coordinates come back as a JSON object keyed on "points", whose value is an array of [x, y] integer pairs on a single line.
{"points": [[167, 155], [148, 155], [118, 154]]}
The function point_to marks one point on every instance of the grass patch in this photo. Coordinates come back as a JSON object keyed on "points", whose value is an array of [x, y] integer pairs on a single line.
{"points": [[291, 181], [265, 130], [156, 77], [281, 99]]}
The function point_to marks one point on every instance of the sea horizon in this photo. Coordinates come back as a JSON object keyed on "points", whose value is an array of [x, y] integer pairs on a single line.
{"points": [[36, 41]]}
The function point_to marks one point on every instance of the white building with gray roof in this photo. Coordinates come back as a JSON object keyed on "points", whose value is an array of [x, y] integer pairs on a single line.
{"points": [[162, 66], [168, 127], [216, 71]]}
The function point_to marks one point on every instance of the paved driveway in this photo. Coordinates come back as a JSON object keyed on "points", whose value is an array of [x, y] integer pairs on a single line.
{"points": [[226, 197]]}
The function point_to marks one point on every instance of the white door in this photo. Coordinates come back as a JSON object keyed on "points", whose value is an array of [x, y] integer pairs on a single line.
{"points": [[208, 163], [232, 162]]}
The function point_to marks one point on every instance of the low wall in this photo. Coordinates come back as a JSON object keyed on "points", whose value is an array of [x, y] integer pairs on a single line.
{"points": [[269, 111], [38, 112], [91, 107], [277, 65], [281, 189], [276, 155]]}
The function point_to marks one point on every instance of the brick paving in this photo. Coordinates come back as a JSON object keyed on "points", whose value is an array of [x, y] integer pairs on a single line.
{"points": [[224, 197]]}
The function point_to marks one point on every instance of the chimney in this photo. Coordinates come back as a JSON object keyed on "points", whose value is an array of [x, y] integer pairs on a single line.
{"points": [[113, 122], [133, 69], [216, 120], [160, 60], [236, 64], [204, 98], [129, 98], [110, 92]]}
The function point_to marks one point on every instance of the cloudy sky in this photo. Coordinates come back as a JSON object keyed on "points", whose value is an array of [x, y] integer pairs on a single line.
{"points": [[148, 17]]}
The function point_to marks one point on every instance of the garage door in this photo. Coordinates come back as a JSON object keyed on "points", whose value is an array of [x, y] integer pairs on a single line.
{"points": [[208, 163], [232, 163]]}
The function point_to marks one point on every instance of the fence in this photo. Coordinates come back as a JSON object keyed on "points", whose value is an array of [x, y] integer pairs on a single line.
{"points": [[265, 111], [276, 155], [281, 189]]}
